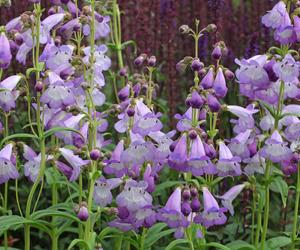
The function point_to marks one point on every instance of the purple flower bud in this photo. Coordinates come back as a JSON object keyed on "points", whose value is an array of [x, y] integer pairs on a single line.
{"points": [[208, 80], [196, 65], [124, 93], [202, 72], [39, 86], [152, 61], [95, 154], [219, 84], [186, 194], [18, 39], [196, 101], [217, 53], [57, 41], [130, 111], [269, 68], [140, 59], [209, 150], [229, 74], [123, 72], [192, 134], [194, 192], [136, 89], [186, 208], [195, 205], [83, 213], [184, 29], [213, 103]]}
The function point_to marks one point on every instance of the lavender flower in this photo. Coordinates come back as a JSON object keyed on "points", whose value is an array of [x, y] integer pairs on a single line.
{"points": [[8, 169], [5, 53]]}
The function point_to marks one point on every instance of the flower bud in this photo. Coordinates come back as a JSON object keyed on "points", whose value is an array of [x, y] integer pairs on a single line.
{"points": [[140, 59], [194, 192], [196, 101], [123, 72], [195, 205], [213, 103], [39, 86], [196, 65], [124, 93], [184, 29], [229, 74], [130, 111], [152, 61], [95, 154], [193, 134], [211, 28], [186, 208], [186, 194], [217, 53], [18, 39], [57, 41], [83, 213]]}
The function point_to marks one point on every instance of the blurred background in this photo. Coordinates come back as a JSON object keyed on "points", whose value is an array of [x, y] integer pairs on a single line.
{"points": [[153, 25]]}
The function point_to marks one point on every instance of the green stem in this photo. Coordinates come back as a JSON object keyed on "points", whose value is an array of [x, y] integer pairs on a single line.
{"points": [[279, 105], [253, 215], [6, 133], [267, 205], [296, 209]]}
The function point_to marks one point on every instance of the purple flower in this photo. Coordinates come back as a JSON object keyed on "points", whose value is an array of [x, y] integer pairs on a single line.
{"points": [[8, 169], [171, 213], [32, 166], [212, 214], [208, 80], [288, 69], [230, 195], [227, 165], [147, 124], [198, 162], [8, 95], [213, 103], [102, 192], [219, 84], [285, 35], [149, 178], [5, 53], [101, 27], [114, 165], [277, 17], [178, 158], [275, 149], [134, 196], [75, 164], [238, 145], [255, 164]]}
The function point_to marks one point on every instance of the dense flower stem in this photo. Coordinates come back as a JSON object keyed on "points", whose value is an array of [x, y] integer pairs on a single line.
{"points": [[267, 205], [296, 209]]}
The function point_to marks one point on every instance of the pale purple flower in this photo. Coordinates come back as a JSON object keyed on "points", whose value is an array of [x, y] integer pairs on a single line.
{"points": [[114, 165], [134, 196], [76, 163], [8, 169], [227, 165], [288, 69], [277, 17], [5, 53], [219, 84], [102, 192], [255, 164], [208, 80], [101, 27], [178, 158], [212, 214], [230, 195], [8, 95], [147, 124]]}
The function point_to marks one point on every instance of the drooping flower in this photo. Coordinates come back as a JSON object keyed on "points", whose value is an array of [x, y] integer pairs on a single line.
{"points": [[147, 124], [277, 17], [5, 53], [178, 158], [219, 84], [230, 195], [227, 165], [8, 169], [114, 165], [8, 95], [288, 69], [212, 214]]}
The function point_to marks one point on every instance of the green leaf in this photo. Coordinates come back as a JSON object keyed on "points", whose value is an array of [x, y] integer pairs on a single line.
{"points": [[108, 231], [278, 242], [81, 243], [21, 135], [54, 212], [175, 243], [59, 129], [217, 245], [151, 239], [240, 245], [280, 186]]}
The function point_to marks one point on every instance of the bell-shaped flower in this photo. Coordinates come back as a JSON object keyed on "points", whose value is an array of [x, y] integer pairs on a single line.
{"points": [[255, 164], [212, 214], [8, 94], [275, 148], [102, 192], [102, 28], [5, 52], [227, 165], [32, 166], [171, 213], [208, 80], [219, 84], [277, 17], [178, 158], [8, 169], [114, 165], [198, 163], [238, 145], [134, 196], [230, 195], [76, 163], [285, 35]]}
